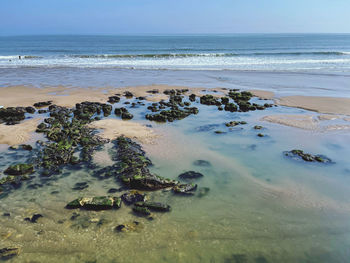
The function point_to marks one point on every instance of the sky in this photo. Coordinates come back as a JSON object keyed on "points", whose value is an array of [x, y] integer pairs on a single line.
{"points": [[28, 17]]}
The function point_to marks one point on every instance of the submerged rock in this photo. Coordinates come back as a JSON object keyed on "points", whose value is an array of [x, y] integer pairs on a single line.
{"points": [[132, 197], [209, 100], [154, 206], [95, 203], [42, 104], [80, 186], [25, 147], [186, 189], [235, 123], [132, 167], [258, 127], [141, 211], [300, 155], [190, 175], [34, 218], [202, 163], [128, 227], [20, 169], [8, 253]]}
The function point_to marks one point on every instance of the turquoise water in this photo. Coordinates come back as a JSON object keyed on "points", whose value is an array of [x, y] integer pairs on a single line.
{"points": [[261, 207]]}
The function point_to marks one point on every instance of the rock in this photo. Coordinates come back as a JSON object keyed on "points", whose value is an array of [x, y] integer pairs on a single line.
{"points": [[127, 116], [8, 253], [186, 189], [128, 94], [258, 127], [235, 123], [128, 227], [260, 135], [190, 175], [114, 190], [25, 147], [12, 115], [132, 197], [219, 132], [95, 203], [202, 163], [80, 186], [132, 167], [20, 169], [42, 104], [141, 211], [230, 107], [192, 97], [209, 100], [154, 206], [13, 179], [225, 100], [6, 214], [42, 111], [113, 99], [34, 218], [30, 110], [300, 155], [153, 91]]}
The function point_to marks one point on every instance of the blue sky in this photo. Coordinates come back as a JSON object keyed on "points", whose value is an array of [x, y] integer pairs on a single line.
{"points": [[19, 17]]}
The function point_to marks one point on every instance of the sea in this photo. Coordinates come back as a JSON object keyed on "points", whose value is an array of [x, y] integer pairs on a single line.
{"points": [[256, 52]]}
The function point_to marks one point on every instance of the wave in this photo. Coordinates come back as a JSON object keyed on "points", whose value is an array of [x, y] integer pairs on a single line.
{"points": [[188, 55], [10, 57]]}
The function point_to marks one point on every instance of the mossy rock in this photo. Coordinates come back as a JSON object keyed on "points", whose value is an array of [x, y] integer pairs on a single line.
{"points": [[20, 169]]}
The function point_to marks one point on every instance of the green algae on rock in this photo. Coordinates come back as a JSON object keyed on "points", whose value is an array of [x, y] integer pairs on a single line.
{"points": [[154, 206], [20, 169], [300, 155], [95, 203]]}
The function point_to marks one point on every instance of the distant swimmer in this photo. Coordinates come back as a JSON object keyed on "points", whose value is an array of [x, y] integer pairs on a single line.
{"points": [[19, 57]]}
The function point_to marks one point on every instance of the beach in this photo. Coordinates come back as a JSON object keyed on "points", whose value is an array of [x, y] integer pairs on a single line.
{"points": [[138, 164]]}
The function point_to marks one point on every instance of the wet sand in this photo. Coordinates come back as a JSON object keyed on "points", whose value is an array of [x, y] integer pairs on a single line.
{"points": [[113, 128], [17, 134]]}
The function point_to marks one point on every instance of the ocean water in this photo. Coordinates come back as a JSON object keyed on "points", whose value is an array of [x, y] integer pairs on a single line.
{"points": [[252, 52]]}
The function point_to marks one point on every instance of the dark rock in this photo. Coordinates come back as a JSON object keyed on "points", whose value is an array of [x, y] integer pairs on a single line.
{"points": [[185, 189], [34, 218], [30, 110], [42, 104], [8, 253], [42, 111], [25, 147], [128, 94], [192, 97], [260, 135], [258, 127], [190, 175], [20, 169], [230, 107], [132, 197], [113, 99], [114, 190], [142, 211], [300, 155], [95, 203], [132, 167], [209, 100], [203, 163], [235, 123], [127, 116], [225, 100], [12, 115], [80, 186], [6, 214], [128, 227], [219, 132], [154, 206], [153, 91]]}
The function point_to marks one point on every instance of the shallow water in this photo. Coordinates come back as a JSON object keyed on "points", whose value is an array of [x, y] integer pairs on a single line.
{"points": [[261, 207]]}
